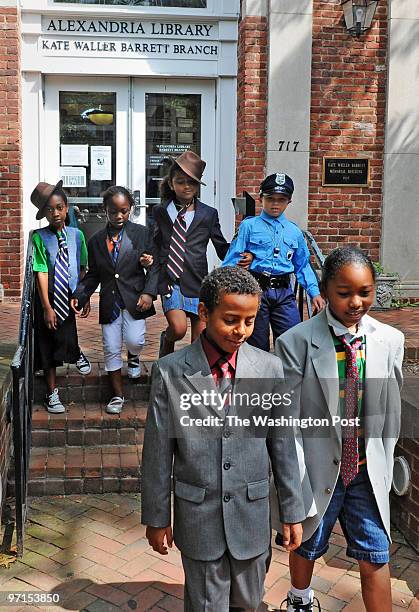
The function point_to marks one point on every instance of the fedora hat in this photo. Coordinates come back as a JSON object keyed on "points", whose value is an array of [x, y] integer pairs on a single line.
{"points": [[41, 194], [192, 165]]}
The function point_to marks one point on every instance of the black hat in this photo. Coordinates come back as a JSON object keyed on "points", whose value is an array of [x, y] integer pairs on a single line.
{"points": [[277, 183]]}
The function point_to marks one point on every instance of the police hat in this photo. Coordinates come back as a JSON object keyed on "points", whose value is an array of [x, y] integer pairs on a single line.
{"points": [[277, 183]]}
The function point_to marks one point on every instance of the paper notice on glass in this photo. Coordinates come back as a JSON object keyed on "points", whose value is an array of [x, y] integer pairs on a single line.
{"points": [[74, 155], [73, 176], [100, 163]]}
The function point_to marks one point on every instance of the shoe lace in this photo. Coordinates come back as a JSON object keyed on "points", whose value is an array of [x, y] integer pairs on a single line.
{"points": [[82, 360], [54, 398], [134, 362], [300, 607]]}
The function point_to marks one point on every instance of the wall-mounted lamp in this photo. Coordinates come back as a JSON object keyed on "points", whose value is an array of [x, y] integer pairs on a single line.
{"points": [[358, 15]]}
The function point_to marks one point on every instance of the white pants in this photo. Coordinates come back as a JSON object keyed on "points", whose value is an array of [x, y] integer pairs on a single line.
{"points": [[124, 329]]}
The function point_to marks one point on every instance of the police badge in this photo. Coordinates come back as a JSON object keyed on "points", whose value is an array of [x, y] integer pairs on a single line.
{"points": [[280, 179]]}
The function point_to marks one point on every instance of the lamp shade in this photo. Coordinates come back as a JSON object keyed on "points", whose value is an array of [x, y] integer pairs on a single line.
{"points": [[97, 116], [358, 15]]}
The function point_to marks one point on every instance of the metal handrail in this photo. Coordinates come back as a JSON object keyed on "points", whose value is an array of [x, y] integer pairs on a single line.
{"points": [[22, 399]]}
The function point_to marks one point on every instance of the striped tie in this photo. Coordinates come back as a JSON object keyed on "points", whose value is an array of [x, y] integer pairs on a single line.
{"points": [[116, 245], [61, 278], [350, 455], [177, 246]]}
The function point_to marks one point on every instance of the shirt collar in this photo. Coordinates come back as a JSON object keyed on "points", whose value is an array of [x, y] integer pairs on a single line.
{"points": [[263, 215], [213, 353], [365, 326]]}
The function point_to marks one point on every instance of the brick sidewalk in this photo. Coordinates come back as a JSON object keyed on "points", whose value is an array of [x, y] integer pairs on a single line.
{"points": [[91, 550]]}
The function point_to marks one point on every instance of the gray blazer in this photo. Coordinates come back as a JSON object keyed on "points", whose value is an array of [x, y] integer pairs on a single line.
{"points": [[308, 351], [221, 482]]}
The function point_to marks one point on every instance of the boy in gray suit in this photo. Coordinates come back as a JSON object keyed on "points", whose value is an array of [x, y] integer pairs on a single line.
{"points": [[220, 475]]}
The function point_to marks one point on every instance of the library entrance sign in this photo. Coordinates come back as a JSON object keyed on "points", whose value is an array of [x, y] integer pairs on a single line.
{"points": [[346, 172]]}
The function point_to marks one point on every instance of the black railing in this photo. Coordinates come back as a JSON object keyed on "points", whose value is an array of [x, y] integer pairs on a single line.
{"points": [[22, 399], [299, 290]]}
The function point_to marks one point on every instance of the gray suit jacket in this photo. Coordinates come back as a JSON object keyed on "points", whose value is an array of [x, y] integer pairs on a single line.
{"points": [[307, 351], [221, 482]]}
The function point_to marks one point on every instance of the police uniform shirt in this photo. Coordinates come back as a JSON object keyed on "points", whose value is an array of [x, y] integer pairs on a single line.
{"points": [[278, 247]]}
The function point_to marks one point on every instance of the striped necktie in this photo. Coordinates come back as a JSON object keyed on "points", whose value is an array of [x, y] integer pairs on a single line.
{"points": [[350, 455], [61, 278], [177, 246], [116, 245]]}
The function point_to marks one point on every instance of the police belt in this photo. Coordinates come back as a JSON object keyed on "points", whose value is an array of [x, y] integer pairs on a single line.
{"points": [[271, 281]]}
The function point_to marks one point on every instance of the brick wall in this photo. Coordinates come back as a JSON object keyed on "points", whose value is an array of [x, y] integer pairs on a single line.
{"points": [[347, 120], [252, 104], [11, 233]]}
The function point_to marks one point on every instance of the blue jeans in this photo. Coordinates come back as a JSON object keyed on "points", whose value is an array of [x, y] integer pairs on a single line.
{"points": [[358, 514]]}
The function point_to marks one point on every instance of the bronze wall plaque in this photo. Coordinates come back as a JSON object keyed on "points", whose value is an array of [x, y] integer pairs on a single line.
{"points": [[346, 172]]}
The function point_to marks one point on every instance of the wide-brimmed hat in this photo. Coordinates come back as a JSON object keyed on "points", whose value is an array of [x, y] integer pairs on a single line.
{"points": [[192, 165], [41, 194]]}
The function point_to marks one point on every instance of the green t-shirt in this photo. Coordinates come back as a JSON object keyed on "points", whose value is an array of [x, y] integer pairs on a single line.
{"points": [[40, 262]]}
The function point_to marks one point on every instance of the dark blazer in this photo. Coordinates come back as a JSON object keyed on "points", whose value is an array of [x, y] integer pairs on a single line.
{"points": [[205, 226], [128, 276]]}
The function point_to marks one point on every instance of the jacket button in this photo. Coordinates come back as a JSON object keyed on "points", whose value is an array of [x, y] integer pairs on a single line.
{"points": [[336, 461], [116, 275], [227, 434], [227, 498], [328, 490], [227, 465]]}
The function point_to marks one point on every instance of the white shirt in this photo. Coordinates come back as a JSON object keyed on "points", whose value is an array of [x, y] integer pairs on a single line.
{"points": [[365, 326], [173, 213]]}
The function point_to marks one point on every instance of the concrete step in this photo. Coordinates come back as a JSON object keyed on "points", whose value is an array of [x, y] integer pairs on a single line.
{"points": [[77, 469], [95, 387], [88, 425]]}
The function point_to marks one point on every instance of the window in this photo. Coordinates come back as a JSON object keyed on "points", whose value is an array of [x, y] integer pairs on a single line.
{"points": [[191, 4], [173, 125]]}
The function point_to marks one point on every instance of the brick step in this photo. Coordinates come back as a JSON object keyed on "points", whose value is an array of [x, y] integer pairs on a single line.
{"points": [[94, 387], [88, 425], [77, 470]]}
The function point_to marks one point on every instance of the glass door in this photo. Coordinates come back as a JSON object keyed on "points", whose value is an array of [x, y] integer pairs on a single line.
{"points": [[86, 135], [170, 117]]}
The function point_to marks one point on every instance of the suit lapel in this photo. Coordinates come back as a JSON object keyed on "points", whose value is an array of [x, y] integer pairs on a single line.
{"points": [[324, 362], [198, 217], [103, 246], [198, 372], [125, 246], [375, 371]]}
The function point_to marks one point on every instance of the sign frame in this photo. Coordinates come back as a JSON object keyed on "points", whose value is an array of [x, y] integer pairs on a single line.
{"points": [[326, 159]]}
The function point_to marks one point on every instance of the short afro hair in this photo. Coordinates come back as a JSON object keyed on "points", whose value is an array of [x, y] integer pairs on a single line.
{"points": [[222, 281]]}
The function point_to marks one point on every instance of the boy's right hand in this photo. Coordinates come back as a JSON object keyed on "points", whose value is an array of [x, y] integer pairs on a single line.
{"points": [[50, 318], [156, 536]]}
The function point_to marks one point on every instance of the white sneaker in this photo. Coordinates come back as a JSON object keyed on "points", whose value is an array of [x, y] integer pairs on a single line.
{"points": [[295, 604], [53, 403], [115, 405], [83, 365], [134, 367]]}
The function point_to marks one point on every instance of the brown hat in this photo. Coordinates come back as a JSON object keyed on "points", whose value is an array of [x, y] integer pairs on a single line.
{"points": [[41, 194], [192, 165]]}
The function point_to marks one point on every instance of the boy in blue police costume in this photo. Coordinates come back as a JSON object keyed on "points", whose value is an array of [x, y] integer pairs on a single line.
{"points": [[279, 249]]}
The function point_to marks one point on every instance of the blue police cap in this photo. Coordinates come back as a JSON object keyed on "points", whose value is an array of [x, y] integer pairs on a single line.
{"points": [[277, 183]]}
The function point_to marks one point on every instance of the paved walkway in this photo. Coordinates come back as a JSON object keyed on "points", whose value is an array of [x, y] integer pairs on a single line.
{"points": [[91, 550]]}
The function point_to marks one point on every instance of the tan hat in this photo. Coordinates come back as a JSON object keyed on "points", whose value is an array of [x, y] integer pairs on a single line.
{"points": [[192, 165], [41, 194]]}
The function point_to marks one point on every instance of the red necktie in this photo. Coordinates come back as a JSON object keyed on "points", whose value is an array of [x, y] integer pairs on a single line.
{"points": [[350, 456], [224, 382]]}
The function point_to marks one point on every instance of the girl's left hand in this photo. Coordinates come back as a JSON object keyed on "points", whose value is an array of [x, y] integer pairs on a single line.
{"points": [[145, 302], [246, 260], [86, 310], [318, 304], [146, 260]]}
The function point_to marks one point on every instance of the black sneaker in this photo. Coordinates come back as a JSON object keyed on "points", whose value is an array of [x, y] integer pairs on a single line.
{"points": [[295, 604], [83, 365]]}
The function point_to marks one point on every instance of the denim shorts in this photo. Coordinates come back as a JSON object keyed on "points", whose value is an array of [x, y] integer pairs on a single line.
{"points": [[361, 523], [177, 301]]}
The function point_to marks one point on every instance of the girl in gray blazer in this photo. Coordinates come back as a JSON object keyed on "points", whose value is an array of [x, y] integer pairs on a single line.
{"points": [[349, 370]]}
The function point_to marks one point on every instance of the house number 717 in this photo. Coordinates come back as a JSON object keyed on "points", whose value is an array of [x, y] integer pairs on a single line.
{"points": [[287, 145]]}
